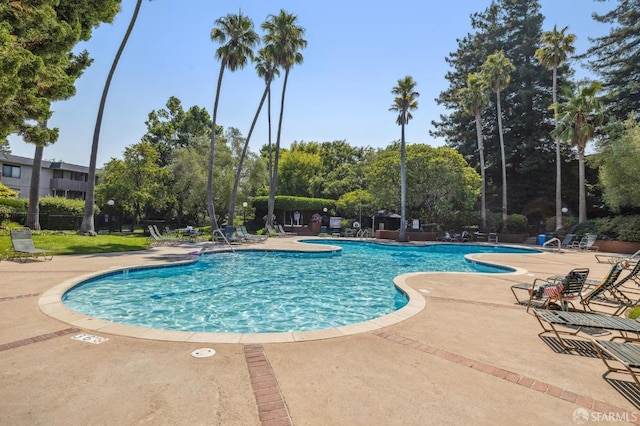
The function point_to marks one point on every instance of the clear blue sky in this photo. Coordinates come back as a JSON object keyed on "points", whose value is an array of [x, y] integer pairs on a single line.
{"points": [[356, 52]]}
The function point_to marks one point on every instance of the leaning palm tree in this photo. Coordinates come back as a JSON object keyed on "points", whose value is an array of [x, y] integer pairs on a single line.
{"points": [[403, 103], [265, 68], [286, 38], [88, 226], [578, 119], [556, 46], [237, 37], [474, 100], [497, 70]]}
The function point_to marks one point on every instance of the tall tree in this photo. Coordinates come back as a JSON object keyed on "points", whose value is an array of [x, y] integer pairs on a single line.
{"points": [[237, 37], [619, 168], [286, 37], [266, 69], [578, 119], [39, 67], [514, 26], [615, 58], [137, 181], [88, 226], [497, 71], [475, 99], [403, 103], [33, 209], [556, 46]]}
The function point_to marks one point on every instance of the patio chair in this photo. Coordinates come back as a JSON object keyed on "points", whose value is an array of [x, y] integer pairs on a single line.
{"points": [[280, 230], [606, 292], [272, 232], [585, 244], [627, 354], [243, 233], [613, 258], [156, 239], [553, 289], [492, 237], [23, 248], [561, 323]]}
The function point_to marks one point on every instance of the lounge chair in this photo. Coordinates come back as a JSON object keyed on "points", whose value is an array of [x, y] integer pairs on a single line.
{"points": [[627, 354], [232, 236], [572, 323], [613, 258], [280, 230], [272, 232], [23, 248], [585, 244], [242, 232], [158, 240], [606, 292], [465, 237], [553, 289]]}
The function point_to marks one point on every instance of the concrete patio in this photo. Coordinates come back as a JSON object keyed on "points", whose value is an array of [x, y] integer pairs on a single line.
{"points": [[471, 356]]}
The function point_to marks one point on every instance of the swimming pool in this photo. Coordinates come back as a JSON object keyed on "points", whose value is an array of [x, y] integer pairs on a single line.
{"points": [[253, 291]]}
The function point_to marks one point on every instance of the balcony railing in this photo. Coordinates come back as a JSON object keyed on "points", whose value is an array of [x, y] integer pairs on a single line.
{"points": [[68, 185]]}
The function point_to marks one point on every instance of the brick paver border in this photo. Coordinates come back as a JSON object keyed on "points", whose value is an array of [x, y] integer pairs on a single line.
{"points": [[21, 296], [36, 339], [528, 382], [271, 407]]}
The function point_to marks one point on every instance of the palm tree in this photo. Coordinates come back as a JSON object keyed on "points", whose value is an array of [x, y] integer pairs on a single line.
{"points": [[496, 70], [578, 119], [403, 103], [474, 99], [265, 68], [237, 37], [286, 38], [88, 226], [556, 46]]}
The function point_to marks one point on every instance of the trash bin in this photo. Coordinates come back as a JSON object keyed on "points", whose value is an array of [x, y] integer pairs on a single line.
{"points": [[541, 239]]}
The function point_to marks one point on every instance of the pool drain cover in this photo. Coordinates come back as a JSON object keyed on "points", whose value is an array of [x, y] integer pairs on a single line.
{"points": [[203, 353]]}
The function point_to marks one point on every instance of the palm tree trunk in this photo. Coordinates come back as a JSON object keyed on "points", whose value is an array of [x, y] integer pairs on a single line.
{"points": [[236, 182], [504, 164], [274, 176], [582, 203], [33, 211], [558, 158], [210, 205], [88, 226], [483, 196], [402, 236]]}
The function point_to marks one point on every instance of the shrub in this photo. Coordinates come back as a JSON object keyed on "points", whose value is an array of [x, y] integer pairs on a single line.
{"points": [[516, 224]]}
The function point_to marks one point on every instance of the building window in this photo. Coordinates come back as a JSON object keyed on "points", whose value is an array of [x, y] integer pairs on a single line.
{"points": [[10, 171]]}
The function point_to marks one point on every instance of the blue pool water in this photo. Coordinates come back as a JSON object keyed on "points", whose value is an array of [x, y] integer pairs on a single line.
{"points": [[262, 292]]}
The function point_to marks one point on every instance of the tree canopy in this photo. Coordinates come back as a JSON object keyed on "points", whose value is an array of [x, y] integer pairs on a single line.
{"points": [[37, 61]]}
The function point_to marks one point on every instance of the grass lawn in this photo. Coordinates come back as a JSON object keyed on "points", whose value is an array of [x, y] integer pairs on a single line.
{"points": [[68, 242]]}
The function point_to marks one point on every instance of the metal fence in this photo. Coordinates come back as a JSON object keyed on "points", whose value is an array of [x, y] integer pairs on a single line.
{"points": [[54, 222]]}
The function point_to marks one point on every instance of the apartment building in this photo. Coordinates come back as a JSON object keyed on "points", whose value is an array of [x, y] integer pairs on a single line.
{"points": [[57, 178]]}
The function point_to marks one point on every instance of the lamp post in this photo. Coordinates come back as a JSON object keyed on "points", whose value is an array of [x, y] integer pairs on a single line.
{"points": [[244, 217], [111, 203]]}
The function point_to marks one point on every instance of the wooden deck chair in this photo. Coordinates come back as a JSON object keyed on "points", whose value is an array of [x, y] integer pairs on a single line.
{"points": [[23, 248]]}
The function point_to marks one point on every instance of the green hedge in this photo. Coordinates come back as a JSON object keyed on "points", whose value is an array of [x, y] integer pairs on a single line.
{"points": [[289, 203]]}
